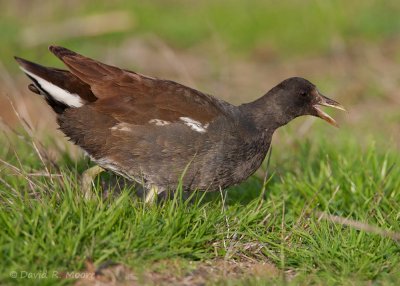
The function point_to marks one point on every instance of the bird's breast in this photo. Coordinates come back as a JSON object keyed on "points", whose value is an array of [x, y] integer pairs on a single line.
{"points": [[232, 161]]}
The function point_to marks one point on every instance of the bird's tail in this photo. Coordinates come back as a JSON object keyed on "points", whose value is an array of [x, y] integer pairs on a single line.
{"points": [[60, 88]]}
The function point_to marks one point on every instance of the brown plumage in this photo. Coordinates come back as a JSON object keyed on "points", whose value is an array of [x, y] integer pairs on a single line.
{"points": [[154, 131]]}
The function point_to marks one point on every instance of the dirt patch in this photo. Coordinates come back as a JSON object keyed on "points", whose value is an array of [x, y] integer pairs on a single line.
{"points": [[172, 272]]}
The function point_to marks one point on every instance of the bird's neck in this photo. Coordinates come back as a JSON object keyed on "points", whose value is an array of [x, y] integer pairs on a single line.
{"points": [[266, 113]]}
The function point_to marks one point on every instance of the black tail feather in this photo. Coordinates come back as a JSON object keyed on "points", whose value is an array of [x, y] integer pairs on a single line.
{"points": [[60, 88], [57, 106]]}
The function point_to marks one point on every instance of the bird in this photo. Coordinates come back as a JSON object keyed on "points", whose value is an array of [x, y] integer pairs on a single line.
{"points": [[162, 134]]}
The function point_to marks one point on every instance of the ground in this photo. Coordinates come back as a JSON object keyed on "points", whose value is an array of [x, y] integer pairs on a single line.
{"points": [[324, 210]]}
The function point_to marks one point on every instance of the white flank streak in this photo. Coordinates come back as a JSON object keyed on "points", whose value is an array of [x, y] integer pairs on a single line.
{"points": [[159, 122], [195, 125], [107, 164], [58, 93], [122, 127]]}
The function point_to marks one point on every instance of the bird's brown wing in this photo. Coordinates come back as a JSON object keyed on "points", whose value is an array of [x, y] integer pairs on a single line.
{"points": [[133, 98]]}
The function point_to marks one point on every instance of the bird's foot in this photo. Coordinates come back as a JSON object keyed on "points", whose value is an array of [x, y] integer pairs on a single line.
{"points": [[87, 180], [151, 195]]}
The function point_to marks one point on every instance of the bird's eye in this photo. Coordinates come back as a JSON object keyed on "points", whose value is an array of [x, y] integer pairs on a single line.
{"points": [[303, 93]]}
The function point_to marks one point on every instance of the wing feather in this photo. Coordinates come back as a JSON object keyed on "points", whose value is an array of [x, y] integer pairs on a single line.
{"points": [[133, 98]]}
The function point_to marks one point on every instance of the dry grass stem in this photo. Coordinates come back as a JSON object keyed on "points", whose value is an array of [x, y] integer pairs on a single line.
{"points": [[359, 225]]}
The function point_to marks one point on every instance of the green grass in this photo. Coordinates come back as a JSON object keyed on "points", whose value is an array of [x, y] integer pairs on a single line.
{"points": [[48, 226], [284, 29]]}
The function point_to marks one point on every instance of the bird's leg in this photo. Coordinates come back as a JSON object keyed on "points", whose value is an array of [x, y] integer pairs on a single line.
{"points": [[151, 195], [87, 179]]}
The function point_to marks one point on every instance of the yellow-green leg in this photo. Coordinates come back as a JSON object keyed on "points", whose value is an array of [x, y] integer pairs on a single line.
{"points": [[151, 195], [87, 180]]}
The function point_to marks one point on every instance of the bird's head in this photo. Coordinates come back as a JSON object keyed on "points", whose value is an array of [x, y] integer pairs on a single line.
{"points": [[296, 97]]}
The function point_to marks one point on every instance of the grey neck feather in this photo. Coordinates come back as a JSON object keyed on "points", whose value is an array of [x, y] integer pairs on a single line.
{"points": [[267, 112]]}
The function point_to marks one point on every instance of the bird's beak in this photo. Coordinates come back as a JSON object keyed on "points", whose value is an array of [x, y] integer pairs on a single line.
{"points": [[324, 101]]}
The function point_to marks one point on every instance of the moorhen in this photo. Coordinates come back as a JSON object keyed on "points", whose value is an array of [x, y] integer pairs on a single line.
{"points": [[160, 133]]}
